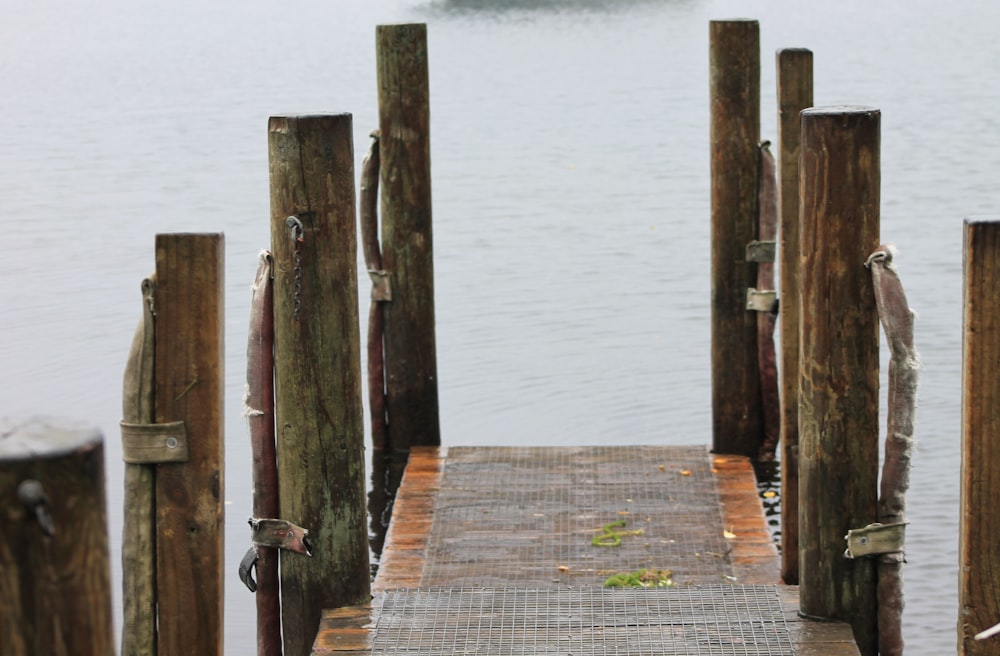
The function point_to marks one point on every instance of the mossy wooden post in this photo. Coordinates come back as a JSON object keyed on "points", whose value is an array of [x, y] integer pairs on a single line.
{"points": [[189, 373], [979, 549], [795, 93], [320, 424], [734, 63], [55, 580], [838, 393], [407, 246]]}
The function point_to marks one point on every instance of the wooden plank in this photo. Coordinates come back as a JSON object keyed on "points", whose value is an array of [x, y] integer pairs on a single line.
{"points": [[754, 555], [189, 387], [412, 517], [317, 354]]}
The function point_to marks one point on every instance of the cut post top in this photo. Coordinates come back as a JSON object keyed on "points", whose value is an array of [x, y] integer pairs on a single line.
{"points": [[44, 437], [839, 110]]}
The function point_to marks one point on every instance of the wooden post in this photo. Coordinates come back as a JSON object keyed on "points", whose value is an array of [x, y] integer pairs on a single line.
{"points": [[795, 93], [407, 247], [979, 549], [838, 393], [320, 424], [734, 62], [189, 495], [55, 581]]}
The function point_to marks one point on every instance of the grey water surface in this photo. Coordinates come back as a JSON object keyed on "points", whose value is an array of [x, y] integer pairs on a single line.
{"points": [[571, 206]]}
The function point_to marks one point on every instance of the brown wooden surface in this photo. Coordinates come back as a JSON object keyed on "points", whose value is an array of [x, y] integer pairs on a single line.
{"points": [[754, 555], [979, 549], [319, 418], [190, 312], [259, 412], [795, 93], [734, 64], [407, 244], [138, 521], [55, 590], [838, 394]]}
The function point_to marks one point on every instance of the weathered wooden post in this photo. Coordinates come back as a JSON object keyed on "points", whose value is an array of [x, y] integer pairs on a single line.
{"points": [[407, 246], [795, 93], [979, 548], [55, 582], [734, 61], [320, 425], [189, 373], [838, 367]]}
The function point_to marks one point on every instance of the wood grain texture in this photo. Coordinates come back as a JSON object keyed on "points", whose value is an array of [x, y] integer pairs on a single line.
{"points": [[979, 550], [139, 512], [407, 240], [734, 64], [55, 590], [839, 363], [320, 422], [795, 93], [190, 311]]}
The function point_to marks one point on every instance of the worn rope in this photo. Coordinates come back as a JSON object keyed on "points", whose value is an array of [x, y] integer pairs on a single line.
{"points": [[896, 318]]}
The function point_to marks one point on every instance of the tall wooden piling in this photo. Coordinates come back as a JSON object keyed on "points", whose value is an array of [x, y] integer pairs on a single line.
{"points": [[320, 425], [979, 549], [189, 373], [407, 246], [838, 333], [734, 62], [795, 93], [55, 582]]}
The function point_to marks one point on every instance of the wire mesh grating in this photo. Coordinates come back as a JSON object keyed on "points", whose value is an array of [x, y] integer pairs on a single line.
{"points": [[708, 620], [528, 516]]}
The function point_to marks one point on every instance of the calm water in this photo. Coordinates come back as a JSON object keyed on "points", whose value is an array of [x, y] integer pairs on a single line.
{"points": [[571, 191]]}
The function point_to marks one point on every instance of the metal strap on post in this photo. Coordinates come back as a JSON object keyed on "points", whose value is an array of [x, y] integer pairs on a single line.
{"points": [[145, 444]]}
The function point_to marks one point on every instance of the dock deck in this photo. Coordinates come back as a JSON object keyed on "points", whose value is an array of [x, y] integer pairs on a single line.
{"points": [[500, 551]]}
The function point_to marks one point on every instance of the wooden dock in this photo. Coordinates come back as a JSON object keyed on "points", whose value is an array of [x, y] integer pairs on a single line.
{"points": [[495, 551]]}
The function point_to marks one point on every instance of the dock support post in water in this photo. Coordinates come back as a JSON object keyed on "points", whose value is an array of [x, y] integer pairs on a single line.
{"points": [[795, 93], [411, 383], [55, 581], [979, 548], [734, 61], [172, 443], [320, 424], [838, 393]]}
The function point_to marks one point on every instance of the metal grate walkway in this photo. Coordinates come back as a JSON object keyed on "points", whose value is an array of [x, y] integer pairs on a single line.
{"points": [[695, 620], [527, 516]]}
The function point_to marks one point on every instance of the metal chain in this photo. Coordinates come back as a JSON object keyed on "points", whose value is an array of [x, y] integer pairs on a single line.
{"points": [[297, 232]]}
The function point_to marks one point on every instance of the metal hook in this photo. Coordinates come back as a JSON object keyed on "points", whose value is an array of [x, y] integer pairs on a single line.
{"points": [[296, 228], [246, 569], [31, 493]]}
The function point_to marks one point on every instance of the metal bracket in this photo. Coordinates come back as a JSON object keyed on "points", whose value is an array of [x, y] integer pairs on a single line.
{"points": [[761, 251], [275, 533], [145, 444], [762, 301], [280, 534], [875, 539], [381, 289]]}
